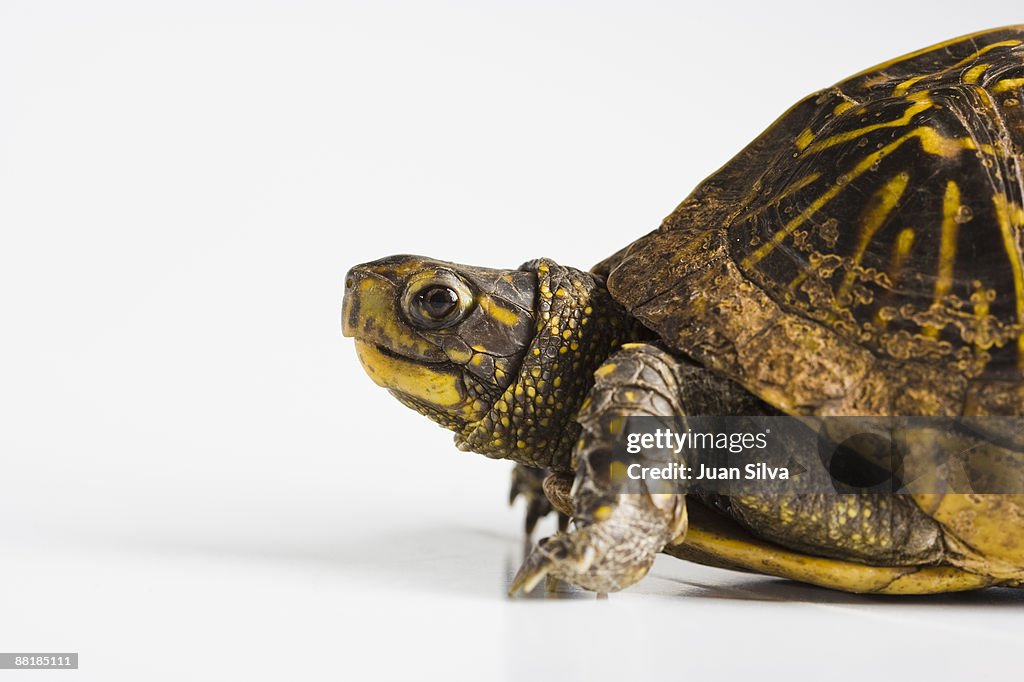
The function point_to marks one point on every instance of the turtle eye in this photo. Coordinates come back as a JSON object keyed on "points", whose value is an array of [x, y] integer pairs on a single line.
{"points": [[436, 301]]}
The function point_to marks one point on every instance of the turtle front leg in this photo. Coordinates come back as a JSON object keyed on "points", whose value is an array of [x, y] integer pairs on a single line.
{"points": [[616, 535]]}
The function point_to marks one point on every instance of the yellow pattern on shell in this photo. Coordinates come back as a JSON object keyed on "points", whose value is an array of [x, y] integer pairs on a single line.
{"points": [[985, 50], [918, 102], [1007, 84], [939, 46], [904, 242], [974, 73], [879, 208], [843, 106], [804, 139], [900, 252], [1011, 220], [902, 88], [932, 142], [947, 249]]}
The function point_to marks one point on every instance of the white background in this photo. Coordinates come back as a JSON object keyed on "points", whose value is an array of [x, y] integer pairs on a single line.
{"points": [[191, 460]]}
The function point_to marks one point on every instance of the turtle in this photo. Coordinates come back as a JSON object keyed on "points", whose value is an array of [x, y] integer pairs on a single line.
{"points": [[863, 256]]}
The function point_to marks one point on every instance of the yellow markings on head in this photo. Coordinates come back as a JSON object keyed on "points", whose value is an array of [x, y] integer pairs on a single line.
{"points": [[380, 322], [459, 354], [605, 369], [919, 101], [410, 378], [974, 73], [804, 139], [947, 248], [878, 209], [602, 512], [1007, 84], [1011, 219], [496, 311], [931, 142]]}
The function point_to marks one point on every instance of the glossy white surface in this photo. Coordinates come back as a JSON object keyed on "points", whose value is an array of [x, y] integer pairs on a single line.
{"points": [[427, 602], [196, 479]]}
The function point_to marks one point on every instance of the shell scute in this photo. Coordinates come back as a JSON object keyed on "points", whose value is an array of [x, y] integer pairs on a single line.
{"points": [[866, 252]]}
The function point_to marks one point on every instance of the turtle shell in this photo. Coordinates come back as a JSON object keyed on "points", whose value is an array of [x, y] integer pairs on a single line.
{"points": [[865, 254]]}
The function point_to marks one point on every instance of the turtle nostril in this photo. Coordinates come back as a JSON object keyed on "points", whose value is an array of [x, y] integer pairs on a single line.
{"points": [[348, 282]]}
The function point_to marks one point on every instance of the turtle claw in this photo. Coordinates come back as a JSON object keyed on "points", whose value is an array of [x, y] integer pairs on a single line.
{"points": [[528, 483], [529, 574], [534, 513], [563, 522], [565, 556]]}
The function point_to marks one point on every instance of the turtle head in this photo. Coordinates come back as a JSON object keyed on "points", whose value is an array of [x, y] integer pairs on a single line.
{"points": [[445, 339], [501, 357]]}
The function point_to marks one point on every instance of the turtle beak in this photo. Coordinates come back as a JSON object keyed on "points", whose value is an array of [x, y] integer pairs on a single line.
{"points": [[369, 309], [393, 355], [350, 303], [369, 313]]}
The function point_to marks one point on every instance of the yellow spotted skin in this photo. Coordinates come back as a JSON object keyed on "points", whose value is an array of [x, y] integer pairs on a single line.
{"points": [[577, 326], [509, 366]]}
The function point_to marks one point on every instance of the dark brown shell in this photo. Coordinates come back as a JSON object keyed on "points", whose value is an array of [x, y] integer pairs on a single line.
{"points": [[864, 254]]}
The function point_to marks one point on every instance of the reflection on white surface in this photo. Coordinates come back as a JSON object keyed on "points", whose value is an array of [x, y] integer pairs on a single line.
{"points": [[430, 603]]}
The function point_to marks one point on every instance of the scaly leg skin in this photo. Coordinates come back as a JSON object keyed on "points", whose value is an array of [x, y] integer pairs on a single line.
{"points": [[528, 482], [617, 536]]}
